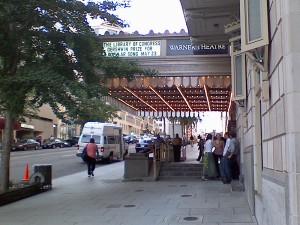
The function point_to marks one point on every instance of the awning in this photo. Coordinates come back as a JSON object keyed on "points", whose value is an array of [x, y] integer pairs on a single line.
{"points": [[16, 124], [206, 19], [173, 94]]}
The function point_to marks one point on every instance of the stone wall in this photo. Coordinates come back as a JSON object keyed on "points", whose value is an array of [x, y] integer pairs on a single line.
{"points": [[271, 129]]}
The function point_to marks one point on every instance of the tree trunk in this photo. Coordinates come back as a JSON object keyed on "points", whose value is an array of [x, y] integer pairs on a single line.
{"points": [[5, 157]]}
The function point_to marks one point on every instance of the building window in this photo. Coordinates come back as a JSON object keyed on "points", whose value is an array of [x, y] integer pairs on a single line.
{"points": [[254, 18], [238, 77], [254, 24], [110, 140]]}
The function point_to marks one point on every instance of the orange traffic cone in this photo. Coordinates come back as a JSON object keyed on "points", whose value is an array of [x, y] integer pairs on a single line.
{"points": [[26, 174]]}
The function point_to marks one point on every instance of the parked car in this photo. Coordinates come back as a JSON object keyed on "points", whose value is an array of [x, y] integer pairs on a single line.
{"points": [[26, 144], [73, 141], [130, 139], [142, 144], [54, 143]]}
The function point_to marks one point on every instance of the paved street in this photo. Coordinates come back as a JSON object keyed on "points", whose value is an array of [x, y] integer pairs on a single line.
{"points": [[63, 160]]}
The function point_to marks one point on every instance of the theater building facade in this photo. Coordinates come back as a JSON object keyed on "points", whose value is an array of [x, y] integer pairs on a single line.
{"points": [[265, 56]]}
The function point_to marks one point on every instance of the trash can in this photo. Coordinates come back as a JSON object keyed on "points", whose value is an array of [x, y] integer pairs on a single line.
{"points": [[43, 174]]}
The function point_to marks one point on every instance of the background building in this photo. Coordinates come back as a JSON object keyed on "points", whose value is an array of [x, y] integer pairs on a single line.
{"points": [[46, 124], [101, 27], [134, 125]]}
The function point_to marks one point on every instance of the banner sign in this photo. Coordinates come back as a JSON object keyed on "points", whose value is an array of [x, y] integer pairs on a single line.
{"points": [[185, 47], [132, 48]]}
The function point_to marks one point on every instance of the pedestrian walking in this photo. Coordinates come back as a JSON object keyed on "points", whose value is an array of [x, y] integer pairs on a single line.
{"points": [[92, 151], [177, 147], [39, 139], [200, 148], [192, 140]]}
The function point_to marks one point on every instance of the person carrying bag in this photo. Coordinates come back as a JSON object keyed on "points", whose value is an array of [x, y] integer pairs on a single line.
{"points": [[91, 150]]}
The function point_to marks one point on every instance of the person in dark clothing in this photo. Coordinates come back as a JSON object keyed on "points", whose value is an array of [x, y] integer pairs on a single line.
{"points": [[177, 147], [39, 139], [235, 170], [200, 148], [192, 140]]}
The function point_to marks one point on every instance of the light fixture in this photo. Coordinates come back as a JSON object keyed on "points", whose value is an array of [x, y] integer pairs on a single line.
{"points": [[184, 98], [127, 104], [207, 97], [230, 102], [135, 95]]}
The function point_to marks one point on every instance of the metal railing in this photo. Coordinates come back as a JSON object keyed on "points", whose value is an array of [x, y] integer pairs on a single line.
{"points": [[161, 153], [164, 153]]}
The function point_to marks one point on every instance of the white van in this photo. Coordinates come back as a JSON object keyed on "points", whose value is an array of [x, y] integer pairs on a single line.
{"points": [[108, 137]]}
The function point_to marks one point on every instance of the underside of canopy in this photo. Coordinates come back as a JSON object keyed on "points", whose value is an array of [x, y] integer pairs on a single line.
{"points": [[206, 19], [173, 94]]}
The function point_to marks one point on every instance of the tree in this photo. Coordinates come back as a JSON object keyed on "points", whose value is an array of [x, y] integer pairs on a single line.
{"points": [[92, 110], [50, 55], [187, 122]]}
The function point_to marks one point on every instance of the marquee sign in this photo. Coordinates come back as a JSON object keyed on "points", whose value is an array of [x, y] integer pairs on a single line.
{"points": [[132, 48], [185, 47]]}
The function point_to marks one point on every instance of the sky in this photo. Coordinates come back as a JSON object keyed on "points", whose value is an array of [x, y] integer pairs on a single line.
{"points": [[211, 121], [156, 15]]}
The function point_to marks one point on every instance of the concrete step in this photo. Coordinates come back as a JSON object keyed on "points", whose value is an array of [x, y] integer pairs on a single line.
{"points": [[170, 178], [198, 168], [180, 173], [171, 171], [172, 164]]}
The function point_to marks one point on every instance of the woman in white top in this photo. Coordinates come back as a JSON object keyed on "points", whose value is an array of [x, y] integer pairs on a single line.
{"points": [[209, 167], [208, 143]]}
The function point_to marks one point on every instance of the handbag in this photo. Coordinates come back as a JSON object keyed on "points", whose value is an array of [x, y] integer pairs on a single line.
{"points": [[84, 154]]}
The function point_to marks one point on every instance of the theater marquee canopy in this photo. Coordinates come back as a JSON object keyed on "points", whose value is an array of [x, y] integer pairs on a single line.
{"points": [[191, 78], [173, 96]]}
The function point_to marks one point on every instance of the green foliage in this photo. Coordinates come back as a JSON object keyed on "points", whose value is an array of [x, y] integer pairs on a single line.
{"points": [[188, 121], [93, 109], [49, 50], [50, 55]]}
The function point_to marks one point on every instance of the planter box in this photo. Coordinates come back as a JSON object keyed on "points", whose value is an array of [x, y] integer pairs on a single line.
{"points": [[13, 195]]}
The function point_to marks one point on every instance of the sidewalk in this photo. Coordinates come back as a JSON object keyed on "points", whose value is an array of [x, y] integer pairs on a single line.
{"points": [[106, 199]]}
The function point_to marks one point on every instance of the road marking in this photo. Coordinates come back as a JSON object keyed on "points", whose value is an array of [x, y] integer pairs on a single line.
{"points": [[26, 156], [38, 154], [67, 155]]}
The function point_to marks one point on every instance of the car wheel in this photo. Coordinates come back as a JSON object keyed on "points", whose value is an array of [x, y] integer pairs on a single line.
{"points": [[61, 145], [36, 147], [53, 146], [108, 160], [25, 148]]}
